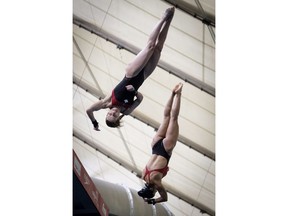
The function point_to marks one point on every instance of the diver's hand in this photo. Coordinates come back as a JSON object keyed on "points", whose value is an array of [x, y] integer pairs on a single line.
{"points": [[150, 201], [130, 88], [96, 125]]}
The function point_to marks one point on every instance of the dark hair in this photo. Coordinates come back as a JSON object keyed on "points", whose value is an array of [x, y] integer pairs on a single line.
{"points": [[116, 123], [147, 191]]}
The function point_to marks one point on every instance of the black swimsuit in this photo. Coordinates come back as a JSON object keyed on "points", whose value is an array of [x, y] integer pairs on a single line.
{"points": [[121, 96], [158, 149]]}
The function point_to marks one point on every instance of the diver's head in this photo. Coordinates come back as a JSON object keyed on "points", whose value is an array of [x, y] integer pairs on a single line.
{"points": [[113, 117], [148, 191]]}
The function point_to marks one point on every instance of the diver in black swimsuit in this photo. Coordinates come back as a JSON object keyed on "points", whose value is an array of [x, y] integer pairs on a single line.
{"points": [[163, 144], [125, 96]]}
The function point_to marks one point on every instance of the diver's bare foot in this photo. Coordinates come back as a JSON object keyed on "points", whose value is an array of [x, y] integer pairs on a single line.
{"points": [[178, 88], [96, 128], [169, 13]]}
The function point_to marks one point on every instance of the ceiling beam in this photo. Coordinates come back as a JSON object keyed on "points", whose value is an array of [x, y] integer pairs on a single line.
{"points": [[145, 119], [124, 45], [99, 147], [196, 12]]}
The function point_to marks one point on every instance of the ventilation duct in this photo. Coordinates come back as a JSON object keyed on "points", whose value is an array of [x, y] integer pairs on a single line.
{"points": [[124, 201]]}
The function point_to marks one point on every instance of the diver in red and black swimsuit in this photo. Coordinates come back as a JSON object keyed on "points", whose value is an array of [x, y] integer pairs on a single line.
{"points": [[163, 144], [158, 149], [125, 96]]}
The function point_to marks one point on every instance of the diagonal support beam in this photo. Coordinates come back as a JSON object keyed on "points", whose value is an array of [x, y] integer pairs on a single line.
{"points": [[165, 66], [86, 64], [127, 148], [133, 169], [204, 15]]}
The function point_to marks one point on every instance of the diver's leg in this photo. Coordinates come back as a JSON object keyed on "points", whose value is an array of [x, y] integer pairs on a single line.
{"points": [[153, 61], [144, 55], [172, 133]]}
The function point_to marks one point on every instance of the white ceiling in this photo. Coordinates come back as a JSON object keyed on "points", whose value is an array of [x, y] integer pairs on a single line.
{"points": [[98, 66]]}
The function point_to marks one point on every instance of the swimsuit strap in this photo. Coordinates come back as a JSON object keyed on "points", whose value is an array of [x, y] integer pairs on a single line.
{"points": [[161, 170], [147, 172]]}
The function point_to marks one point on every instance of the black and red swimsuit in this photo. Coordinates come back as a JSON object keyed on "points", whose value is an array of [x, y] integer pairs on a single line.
{"points": [[158, 149], [121, 96]]}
